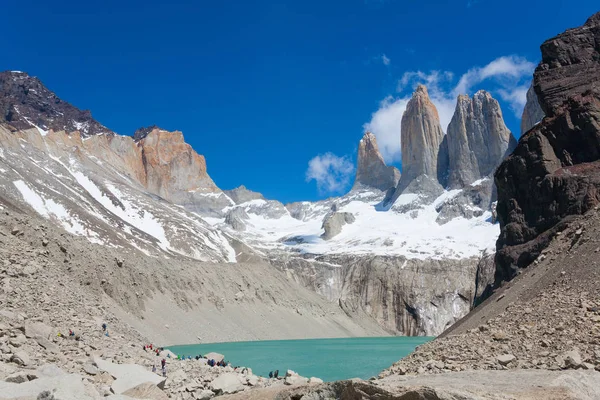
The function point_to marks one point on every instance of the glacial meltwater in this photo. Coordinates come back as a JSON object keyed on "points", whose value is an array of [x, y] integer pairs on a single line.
{"points": [[328, 359]]}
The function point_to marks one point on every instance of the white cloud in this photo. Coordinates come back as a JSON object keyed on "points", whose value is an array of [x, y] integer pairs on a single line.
{"points": [[385, 60], [509, 69], [385, 124], [507, 77], [332, 173]]}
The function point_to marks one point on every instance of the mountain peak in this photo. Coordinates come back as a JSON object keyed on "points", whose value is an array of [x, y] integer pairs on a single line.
{"points": [[26, 103], [372, 170], [421, 139], [477, 139]]}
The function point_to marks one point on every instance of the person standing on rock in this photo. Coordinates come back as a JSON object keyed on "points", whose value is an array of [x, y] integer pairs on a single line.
{"points": [[163, 362], [104, 327]]}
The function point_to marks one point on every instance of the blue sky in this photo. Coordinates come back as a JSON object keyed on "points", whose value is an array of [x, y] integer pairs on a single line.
{"points": [[262, 88]]}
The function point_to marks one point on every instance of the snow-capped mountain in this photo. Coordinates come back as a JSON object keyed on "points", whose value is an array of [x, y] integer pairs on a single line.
{"points": [[403, 250]]}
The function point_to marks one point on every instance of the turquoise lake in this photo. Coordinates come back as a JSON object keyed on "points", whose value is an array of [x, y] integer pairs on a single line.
{"points": [[328, 359]]}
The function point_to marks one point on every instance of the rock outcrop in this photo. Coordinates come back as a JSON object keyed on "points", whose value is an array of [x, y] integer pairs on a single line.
{"points": [[372, 171], [173, 168], [478, 140], [26, 103], [236, 218], [333, 223], [423, 151], [554, 171], [532, 113], [242, 195]]}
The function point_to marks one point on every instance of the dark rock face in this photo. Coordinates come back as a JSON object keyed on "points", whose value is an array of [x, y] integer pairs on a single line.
{"points": [[554, 172], [372, 171], [142, 132], [532, 113], [478, 140], [26, 103]]}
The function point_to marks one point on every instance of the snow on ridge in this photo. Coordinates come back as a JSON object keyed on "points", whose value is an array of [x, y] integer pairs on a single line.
{"points": [[413, 234], [49, 208]]}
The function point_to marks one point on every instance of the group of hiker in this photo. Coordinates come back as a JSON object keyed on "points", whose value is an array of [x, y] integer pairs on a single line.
{"points": [[163, 365], [210, 362], [153, 349]]}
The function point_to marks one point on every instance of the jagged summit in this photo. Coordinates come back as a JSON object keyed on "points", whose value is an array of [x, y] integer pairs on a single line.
{"points": [[26, 103], [371, 170], [478, 139], [421, 140]]}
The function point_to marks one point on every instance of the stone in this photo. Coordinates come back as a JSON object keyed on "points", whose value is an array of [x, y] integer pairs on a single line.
{"points": [[38, 329], [128, 376], [227, 383], [90, 369], [236, 217], [146, 391], [252, 380], [204, 394], [371, 171], [572, 359], [20, 358], [20, 377], [294, 380], [314, 380], [333, 223], [505, 359]]}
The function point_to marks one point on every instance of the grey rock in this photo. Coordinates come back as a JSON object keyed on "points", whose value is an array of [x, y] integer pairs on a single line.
{"points": [[532, 113], [241, 195], [421, 139], [371, 171], [333, 223], [572, 359], [146, 391], [478, 139], [20, 358], [227, 383], [505, 359], [236, 217], [90, 369]]}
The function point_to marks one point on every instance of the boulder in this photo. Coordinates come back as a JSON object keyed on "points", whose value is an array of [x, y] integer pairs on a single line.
{"points": [[227, 383], [294, 380], [204, 395], [20, 358], [315, 380], [128, 376], [572, 359], [333, 223], [252, 380], [21, 376], [90, 369], [505, 359], [146, 391], [38, 329]]}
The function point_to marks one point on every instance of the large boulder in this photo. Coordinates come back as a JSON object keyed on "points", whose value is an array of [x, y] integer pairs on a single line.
{"points": [[128, 376], [37, 329], [333, 223], [227, 383], [554, 171], [146, 391]]}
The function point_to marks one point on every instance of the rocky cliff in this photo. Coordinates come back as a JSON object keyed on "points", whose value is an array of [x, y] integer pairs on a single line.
{"points": [[26, 103], [371, 171], [554, 172], [478, 140], [423, 149], [532, 113]]}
